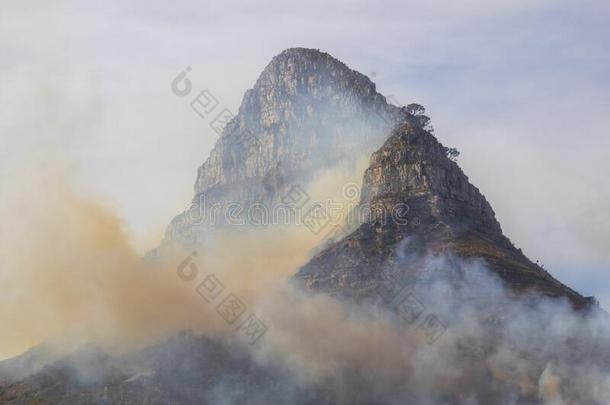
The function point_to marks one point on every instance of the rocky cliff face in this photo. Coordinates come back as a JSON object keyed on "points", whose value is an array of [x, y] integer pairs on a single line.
{"points": [[412, 167], [302, 106], [412, 189], [306, 112]]}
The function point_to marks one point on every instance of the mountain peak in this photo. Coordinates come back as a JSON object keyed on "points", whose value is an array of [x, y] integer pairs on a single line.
{"points": [[306, 112], [302, 76], [440, 210], [305, 61], [412, 167], [301, 53]]}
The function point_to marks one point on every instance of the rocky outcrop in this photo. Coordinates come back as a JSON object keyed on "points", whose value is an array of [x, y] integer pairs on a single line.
{"points": [[303, 105], [438, 208], [412, 167], [306, 112]]}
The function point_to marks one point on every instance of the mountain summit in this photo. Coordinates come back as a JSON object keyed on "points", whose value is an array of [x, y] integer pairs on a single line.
{"points": [[446, 213], [306, 112]]}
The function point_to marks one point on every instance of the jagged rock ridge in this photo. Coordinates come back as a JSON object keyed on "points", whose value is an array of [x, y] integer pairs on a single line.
{"points": [[445, 214], [306, 112], [303, 110]]}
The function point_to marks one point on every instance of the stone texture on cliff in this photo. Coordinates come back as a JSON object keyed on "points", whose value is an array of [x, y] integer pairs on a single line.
{"points": [[445, 214], [306, 112]]}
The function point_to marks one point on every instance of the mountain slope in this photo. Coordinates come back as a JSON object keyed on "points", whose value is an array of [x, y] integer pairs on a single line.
{"points": [[444, 212], [185, 369], [306, 112]]}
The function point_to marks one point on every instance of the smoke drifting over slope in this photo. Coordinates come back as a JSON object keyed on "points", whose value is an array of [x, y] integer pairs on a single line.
{"points": [[76, 279], [72, 277], [498, 349]]}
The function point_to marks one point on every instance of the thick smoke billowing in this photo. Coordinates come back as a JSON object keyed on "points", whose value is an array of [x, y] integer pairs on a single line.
{"points": [[72, 277], [75, 279], [498, 348]]}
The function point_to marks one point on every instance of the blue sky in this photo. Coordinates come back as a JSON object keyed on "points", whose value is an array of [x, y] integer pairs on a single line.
{"points": [[520, 87]]}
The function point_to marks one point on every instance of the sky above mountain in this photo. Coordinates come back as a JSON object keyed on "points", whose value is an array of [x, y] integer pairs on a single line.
{"points": [[519, 87]]}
